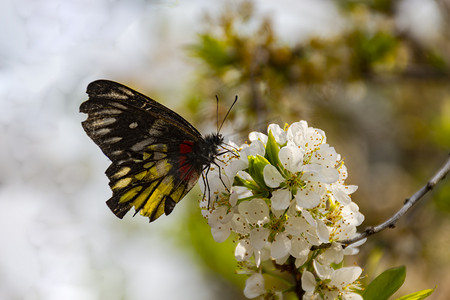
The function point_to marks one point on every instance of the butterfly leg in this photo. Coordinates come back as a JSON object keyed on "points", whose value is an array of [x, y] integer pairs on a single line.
{"points": [[206, 184], [220, 177]]}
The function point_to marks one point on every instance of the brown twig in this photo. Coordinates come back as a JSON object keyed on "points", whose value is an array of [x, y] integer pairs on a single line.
{"points": [[409, 202]]}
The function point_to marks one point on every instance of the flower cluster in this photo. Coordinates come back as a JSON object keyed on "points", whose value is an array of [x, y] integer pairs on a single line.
{"points": [[284, 197]]}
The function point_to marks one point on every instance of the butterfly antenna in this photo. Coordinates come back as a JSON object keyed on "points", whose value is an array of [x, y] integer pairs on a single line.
{"points": [[217, 113], [228, 112]]}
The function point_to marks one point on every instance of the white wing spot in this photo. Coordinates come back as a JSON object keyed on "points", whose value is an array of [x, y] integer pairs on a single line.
{"points": [[110, 111], [162, 168], [141, 145], [133, 125], [103, 122], [126, 91], [118, 105], [157, 128], [159, 155], [117, 152], [115, 95], [153, 131], [113, 140], [102, 131]]}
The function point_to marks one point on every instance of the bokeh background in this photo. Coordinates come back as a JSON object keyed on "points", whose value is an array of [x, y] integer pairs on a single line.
{"points": [[374, 75]]}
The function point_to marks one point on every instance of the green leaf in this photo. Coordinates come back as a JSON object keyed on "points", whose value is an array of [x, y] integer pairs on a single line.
{"points": [[250, 184], [272, 150], [256, 166], [213, 51], [386, 284], [417, 295]]}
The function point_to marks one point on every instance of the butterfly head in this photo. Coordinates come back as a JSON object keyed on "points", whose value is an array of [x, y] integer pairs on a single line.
{"points": [[210, 148]]}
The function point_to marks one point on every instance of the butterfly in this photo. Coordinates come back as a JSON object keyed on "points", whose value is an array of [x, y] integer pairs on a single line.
{"points": [[156, 155]]}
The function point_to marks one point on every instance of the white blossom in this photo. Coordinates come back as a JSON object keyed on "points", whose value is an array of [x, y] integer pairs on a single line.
{"points": [[308, 282], [280, 246], [307, 198], [283, 206], [333, 282], [291, 157], [278, 133], [243, 250], [272, 177], [255, 211], [281, 199], [254, 286]]}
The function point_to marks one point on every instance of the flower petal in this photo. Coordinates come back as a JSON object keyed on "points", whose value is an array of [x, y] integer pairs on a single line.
{"points": [[344, 276], [296, 226], [307, 199], [323, 232], [352, 296], [219, 216], [308, 281], [272, 177], [243, 250], [254, 286], [350, 189], [323, 271], [291, 158], [340, 194], [299, 248], [282, 260], [220, 234], [254, 136], [239, 225], [319, 173], [280, 246], [259, 237], [278, 133], [334, 254], [309, 218], [255, 211], [281, 199]]}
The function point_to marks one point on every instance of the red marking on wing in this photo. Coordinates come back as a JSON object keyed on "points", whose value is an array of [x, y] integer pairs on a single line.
{"points": [[185, 167], [186, 147]]}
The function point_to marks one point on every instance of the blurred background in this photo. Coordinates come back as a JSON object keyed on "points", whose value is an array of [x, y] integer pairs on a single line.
{"points": [[374, 75]]}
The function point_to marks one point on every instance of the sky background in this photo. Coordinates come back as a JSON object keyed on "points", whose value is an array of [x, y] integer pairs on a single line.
{"points": [[59, 240]]}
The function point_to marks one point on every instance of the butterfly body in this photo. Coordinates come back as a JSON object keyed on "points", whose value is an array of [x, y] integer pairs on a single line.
{"points": [[157, 156]]}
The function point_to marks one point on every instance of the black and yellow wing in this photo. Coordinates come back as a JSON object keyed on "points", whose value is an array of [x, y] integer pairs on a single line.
{"points": [[153, 149]]}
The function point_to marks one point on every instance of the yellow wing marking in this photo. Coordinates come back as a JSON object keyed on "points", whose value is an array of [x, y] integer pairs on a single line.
{"points": [[158, 148], [149, 165], [154, 155], [122, 172], [160, 168], [137, 203], [149, 189], [120, 184], [128, 195], [141, 175], [155, 202]]}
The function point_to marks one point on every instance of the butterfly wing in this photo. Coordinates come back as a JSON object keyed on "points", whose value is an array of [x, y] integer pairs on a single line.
{"points": [[148, 145]]}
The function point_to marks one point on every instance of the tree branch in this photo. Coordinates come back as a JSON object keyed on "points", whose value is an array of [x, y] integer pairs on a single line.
{"points": [[409, 202]]}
